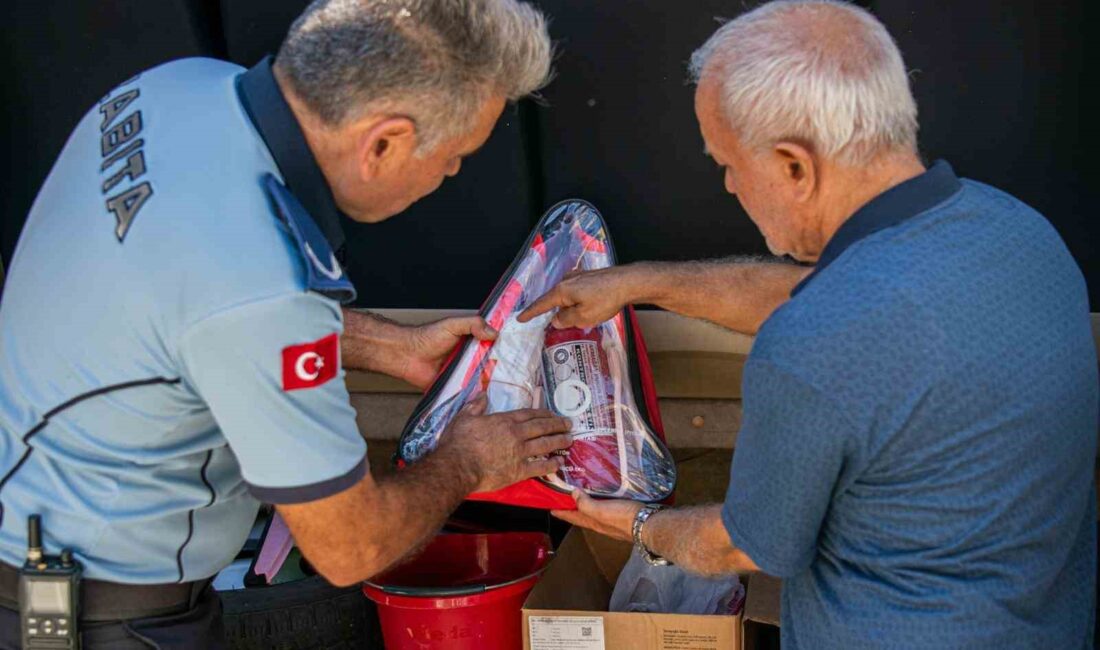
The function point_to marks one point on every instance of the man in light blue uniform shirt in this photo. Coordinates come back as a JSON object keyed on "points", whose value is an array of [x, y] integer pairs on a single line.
{"points": [[916, 455], [171, 328]]}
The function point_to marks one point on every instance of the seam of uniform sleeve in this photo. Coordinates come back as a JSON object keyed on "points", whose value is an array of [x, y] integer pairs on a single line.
{"points": [[768, 564], [195, 325], [312, 491], [273, 494], [256, 301]]}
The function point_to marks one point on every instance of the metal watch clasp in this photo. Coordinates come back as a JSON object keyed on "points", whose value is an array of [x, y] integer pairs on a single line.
{"points": [[636, 533]]}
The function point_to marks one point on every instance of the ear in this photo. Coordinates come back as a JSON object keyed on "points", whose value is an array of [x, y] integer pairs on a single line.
{"points": [[799, 168], [384, 145]]}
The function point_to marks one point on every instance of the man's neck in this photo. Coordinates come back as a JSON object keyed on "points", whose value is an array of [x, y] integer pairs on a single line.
{"points": [[856, 187], [330, 147], [311, 126]]}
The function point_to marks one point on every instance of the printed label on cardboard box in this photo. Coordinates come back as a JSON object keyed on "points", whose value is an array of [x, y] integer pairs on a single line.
{"points": [[674, 639], [566, 632]]}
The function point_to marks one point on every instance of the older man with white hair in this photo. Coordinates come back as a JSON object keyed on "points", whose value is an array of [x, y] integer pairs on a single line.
{"points": [[919, 432]]}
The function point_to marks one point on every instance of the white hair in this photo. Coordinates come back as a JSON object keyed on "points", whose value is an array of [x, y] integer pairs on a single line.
{"points": [[434, 60], [822, 72]]}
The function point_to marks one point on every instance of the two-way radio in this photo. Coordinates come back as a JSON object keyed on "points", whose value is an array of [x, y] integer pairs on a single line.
{"points": [[49, 595]]}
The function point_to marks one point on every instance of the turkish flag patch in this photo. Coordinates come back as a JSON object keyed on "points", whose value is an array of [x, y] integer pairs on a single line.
{"points": [[311, 364]]}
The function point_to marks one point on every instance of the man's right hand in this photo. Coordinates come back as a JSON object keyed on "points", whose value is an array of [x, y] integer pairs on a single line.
{"points": [[588, 298], [501, 449], [736, 293], [357, 533]]}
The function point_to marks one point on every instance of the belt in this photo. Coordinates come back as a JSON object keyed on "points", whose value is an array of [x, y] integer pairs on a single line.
{"points": [[112, 601]]}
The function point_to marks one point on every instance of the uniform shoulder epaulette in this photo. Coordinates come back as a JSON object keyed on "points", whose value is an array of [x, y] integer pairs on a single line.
{"points": [[323, 271]]}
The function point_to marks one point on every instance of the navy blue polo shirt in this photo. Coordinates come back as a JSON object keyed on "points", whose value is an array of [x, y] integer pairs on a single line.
{"points": [[920, 427], [170, 331]]}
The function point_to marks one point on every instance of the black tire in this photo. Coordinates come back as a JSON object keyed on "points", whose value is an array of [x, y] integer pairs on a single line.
{"points": [[307, 614]]}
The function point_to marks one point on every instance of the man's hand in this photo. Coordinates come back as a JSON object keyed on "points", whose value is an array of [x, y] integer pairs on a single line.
{"points": [[413, 353], [695, 538], [430, 344], [498, 450], [587, 298], [611, 517], [737, 293], [357, 533]]}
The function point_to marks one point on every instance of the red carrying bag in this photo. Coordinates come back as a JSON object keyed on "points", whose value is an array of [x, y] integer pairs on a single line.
{"points": [[599, 378]]}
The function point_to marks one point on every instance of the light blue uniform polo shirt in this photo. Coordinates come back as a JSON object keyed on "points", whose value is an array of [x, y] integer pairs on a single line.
{"points": [[167, 333], [919, 436]]}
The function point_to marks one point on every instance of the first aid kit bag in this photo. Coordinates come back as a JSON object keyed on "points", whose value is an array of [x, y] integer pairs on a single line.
{"points": [[599, 378]]}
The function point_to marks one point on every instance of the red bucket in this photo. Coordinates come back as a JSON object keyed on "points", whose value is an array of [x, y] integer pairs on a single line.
{"points": [[462, 592]]}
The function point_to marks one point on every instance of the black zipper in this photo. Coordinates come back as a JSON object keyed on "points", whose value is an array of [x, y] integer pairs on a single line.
{"points": [[628, 330]]}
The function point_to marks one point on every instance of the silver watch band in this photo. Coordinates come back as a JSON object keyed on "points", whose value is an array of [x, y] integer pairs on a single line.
{"points": [[636, 533]]}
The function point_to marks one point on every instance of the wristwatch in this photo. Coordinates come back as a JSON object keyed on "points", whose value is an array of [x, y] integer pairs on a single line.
{"points": [[636, 532]]}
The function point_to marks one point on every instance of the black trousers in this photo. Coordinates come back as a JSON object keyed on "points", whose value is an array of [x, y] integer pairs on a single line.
{"points": [[199, 628]]}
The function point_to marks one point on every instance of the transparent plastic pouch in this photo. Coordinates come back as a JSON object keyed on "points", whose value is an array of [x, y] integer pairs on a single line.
{"points": [[594, 377]]}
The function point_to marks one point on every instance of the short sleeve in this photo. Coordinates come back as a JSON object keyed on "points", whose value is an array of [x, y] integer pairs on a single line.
{"points": [[270, 373], [790, 454]]}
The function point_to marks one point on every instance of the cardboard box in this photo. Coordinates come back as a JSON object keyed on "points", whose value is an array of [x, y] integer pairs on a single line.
{"points": [[760, 620], [567, 609]]}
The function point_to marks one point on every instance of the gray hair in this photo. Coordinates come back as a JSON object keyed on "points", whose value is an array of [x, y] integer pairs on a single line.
{"points": [[436, 61], [820, 71]]}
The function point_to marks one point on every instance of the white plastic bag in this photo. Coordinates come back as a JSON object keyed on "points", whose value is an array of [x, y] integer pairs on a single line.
{"points": [[642, 587]]}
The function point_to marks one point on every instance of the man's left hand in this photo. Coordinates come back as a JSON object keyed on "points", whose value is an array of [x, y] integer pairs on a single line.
{"points": [[611, 517], [430, 344]]}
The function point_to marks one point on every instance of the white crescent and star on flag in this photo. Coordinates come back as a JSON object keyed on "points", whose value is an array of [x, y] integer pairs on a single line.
{"points": [[302, 363], [307, 365]]}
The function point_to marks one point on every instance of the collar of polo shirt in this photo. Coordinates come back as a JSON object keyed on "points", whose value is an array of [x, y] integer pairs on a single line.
{"points": [[265, 105], [895, 205]]}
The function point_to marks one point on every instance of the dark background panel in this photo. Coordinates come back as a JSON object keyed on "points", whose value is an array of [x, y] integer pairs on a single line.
{"points": [[619, 128], [999, 89], [998, 86], [61, 56], [255, 28]]}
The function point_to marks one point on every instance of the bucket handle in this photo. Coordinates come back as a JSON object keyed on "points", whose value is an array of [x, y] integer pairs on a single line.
{"points": [[466, 590], [433, 591]]}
